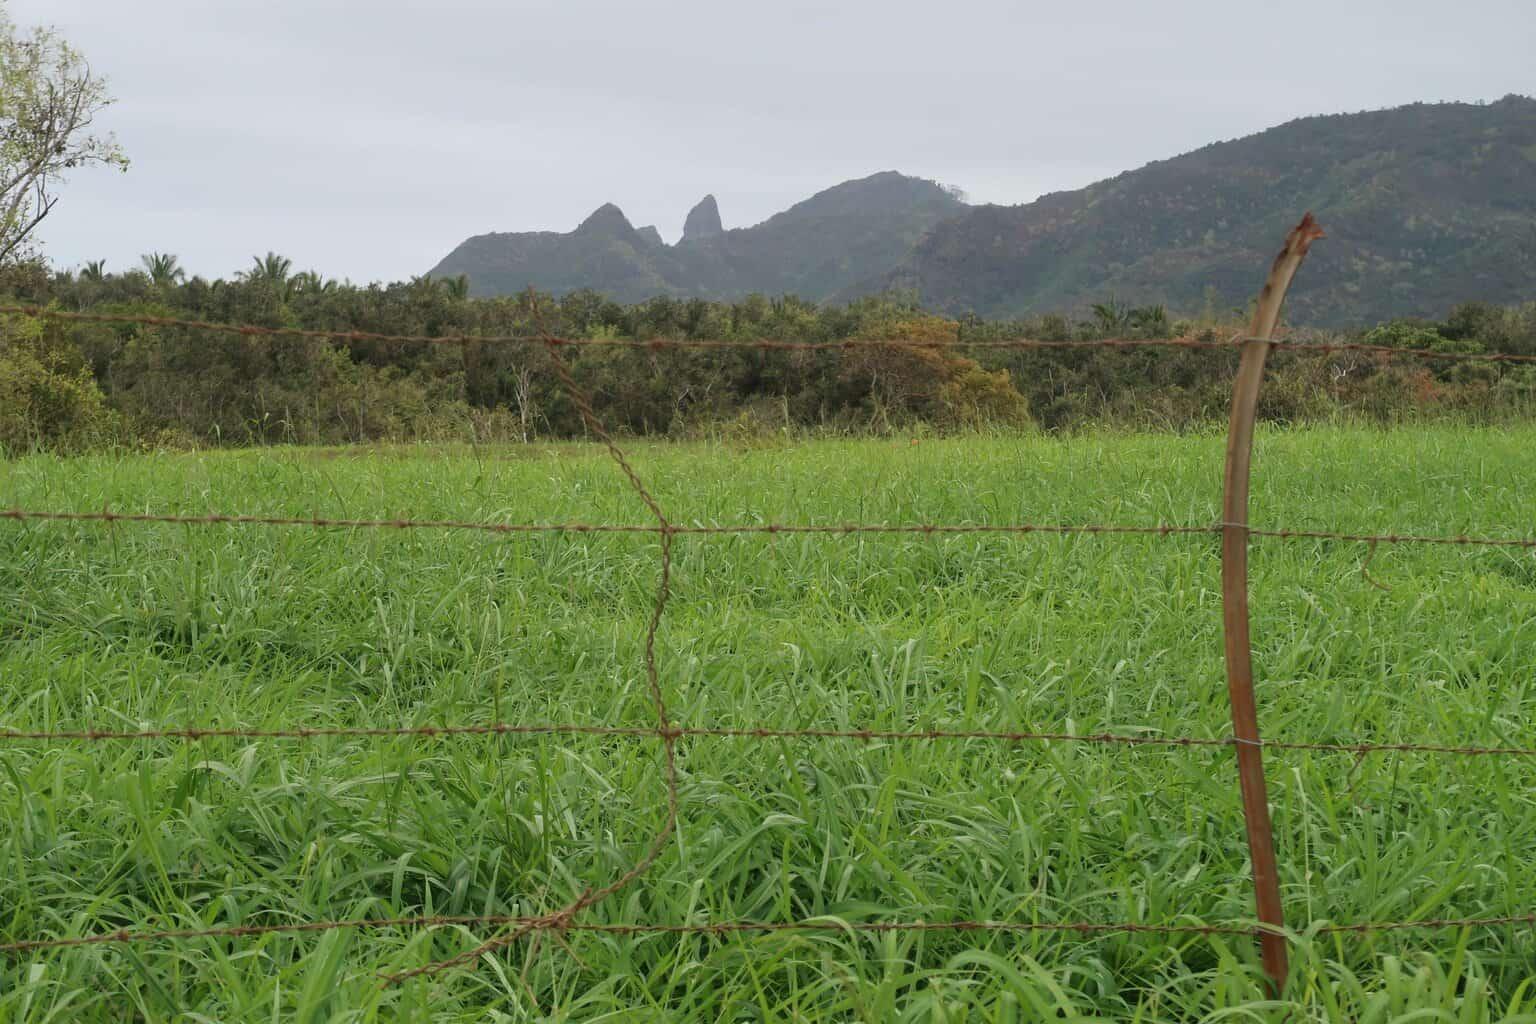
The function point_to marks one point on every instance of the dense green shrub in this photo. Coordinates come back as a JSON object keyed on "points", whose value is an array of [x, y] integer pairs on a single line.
{"points": [[80, 384], [48, 398]]}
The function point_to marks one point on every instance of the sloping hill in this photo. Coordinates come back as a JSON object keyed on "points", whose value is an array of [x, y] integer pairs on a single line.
{"points": [[1425, 206], [825, 244], [604, 252], [853, 232]]}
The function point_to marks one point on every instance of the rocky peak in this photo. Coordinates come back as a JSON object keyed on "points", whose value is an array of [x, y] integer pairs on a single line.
{"points": [[703, 220], [606, 219]]}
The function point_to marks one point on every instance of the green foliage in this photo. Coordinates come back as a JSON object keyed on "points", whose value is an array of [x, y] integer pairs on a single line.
{"points": [[1111, 319], [456, 287], [974, 397], [210, 388], [1425, 205], [1495, 328], [220, 626], [1405, 334], [47, 396], [918, 382], [275, 273], [1151, 322], [163, 269]]}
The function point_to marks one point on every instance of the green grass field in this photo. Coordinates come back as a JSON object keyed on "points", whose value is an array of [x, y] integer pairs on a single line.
{"points": [[130, 626]]}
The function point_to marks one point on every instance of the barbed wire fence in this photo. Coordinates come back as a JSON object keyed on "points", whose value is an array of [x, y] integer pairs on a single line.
{"points": [[1269, 925], [764, 344]]}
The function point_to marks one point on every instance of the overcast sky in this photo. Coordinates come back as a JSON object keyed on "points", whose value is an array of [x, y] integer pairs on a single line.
{"points": [[366, 138]]}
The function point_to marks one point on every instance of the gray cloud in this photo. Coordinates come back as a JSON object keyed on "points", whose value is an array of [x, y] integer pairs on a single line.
{"points": [[367, 138]]}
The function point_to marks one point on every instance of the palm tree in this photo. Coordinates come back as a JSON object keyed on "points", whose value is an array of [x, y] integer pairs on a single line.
{"points": [[456, 287], [96, 270], [422, 286], [1151, 321], [275, 271], [311, 282], [1111, 318], [164, 269], [272, 268]]}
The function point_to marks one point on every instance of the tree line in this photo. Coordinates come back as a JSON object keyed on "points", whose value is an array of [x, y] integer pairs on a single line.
{"points": [[75, 386], [71, 386]]}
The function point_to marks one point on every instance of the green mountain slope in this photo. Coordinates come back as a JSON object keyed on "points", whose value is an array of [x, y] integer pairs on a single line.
{"points": [[1425, 206]]}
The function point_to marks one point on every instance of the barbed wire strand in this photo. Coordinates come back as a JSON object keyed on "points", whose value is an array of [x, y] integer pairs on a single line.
{"points": [[547, 923], [218, 518], [543, 338], [1387, 351], [564, 919], [675, 733], [1163, 529], [668, 734]]}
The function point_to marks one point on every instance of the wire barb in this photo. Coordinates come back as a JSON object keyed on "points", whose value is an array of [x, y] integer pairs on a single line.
{"points": [[566, 919], [561, 919], [774, 529], [553, 342], [560, 922], [675, 733], [542, 337]]}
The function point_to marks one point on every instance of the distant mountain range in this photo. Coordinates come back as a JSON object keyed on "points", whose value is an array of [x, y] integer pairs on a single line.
{"points": [[834, 241], [1425, 206]]}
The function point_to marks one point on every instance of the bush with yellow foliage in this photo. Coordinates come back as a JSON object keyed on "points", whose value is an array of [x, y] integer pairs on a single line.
{"points": [[927, 379]]}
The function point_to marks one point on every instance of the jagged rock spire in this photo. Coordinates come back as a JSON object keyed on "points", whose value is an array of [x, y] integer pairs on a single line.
{"points": [[703, 220]]}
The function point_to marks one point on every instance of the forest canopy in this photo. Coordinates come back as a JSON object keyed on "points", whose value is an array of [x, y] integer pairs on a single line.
{"points": [[70, 385]]}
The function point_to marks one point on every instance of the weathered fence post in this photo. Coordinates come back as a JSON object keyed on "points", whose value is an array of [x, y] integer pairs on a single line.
{"points": [[1234, 598]]}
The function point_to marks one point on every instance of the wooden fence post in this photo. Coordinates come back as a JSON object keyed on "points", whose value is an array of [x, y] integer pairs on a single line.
{"points": [[1234, 599]]}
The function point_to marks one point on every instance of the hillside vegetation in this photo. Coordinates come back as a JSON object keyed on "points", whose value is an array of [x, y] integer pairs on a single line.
{"points": [[1426, 206], [70, 385]]}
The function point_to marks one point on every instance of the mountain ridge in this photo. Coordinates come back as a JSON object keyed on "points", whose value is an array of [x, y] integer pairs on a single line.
{"points": [[856, 230], [1426, 205]]}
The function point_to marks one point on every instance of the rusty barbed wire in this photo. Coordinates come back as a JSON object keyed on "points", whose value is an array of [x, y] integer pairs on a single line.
{"points": [[542, 338], [1391, 538], [563, 917], [826, 924], [218, 518], [664, 527], [545, 922], [1160, 529], [197, 734], [1340, 347]]}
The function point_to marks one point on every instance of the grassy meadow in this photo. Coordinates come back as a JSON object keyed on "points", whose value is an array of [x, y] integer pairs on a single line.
{"points": [[131, 626]]}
